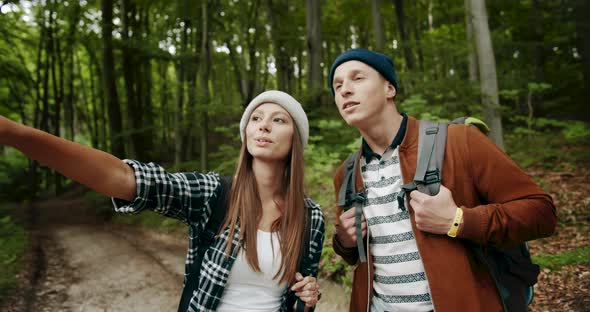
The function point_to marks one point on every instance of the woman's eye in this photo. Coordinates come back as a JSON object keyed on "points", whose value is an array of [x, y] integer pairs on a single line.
{"points": [[279, 120], [255, 118]]}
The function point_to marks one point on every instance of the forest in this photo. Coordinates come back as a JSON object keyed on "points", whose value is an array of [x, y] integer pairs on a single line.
{"points": [[167, 81]]}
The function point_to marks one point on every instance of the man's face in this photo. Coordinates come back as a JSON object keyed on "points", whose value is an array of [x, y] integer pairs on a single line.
{"points": [[360, 93]]}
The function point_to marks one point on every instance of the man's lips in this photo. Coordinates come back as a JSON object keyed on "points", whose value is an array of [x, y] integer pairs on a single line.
{"points": [[349, 104]]}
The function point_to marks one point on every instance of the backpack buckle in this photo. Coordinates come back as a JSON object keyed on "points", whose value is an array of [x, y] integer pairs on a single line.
{"points": [[432, 130], [432, 177], [352, 198], [406, 189]]}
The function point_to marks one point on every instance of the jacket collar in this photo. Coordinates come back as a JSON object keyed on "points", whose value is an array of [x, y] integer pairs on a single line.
{"points": [[411, 136]]}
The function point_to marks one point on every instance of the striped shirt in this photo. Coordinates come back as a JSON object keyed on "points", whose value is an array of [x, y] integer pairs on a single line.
{"points": [[400, 282], [185, 196]]}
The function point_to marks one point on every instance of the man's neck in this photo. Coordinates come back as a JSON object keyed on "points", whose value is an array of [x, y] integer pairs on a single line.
{"points": [[380, 134]]}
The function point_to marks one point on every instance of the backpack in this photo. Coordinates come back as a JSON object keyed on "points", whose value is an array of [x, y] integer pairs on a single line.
{"points": [[206, 238], [512, 270]]}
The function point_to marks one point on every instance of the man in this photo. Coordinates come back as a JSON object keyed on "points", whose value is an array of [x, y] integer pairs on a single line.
{"points": [[418, 261]]}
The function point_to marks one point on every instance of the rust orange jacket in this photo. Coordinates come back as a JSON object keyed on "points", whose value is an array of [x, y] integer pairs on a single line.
{"points": [[502, 206]]}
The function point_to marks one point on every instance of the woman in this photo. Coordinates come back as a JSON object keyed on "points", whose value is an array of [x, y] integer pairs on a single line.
{"points": [[268, 217]]}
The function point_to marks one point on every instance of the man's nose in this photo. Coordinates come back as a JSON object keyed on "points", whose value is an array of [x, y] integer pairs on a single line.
{"points": [[345, 88]]}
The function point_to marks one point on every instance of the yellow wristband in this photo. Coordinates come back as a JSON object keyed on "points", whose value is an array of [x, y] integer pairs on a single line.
{"points": [[455, 226]]}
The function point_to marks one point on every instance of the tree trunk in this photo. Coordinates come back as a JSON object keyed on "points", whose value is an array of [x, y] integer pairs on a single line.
{"points": [[39, 78], [430, 16], [88, 104], [205, 66], [487, 70], [314, 46], [130, 68], [179, 114], [44, 125], [190, 137], [69, 99], [278, 15], [246, 66], [149, 134], [58, 95], [164, 104], [405, 40], [98, 108], [537, 49], [583, 34], [418, 44], [109, 79], [471, 56], [377, 24]]}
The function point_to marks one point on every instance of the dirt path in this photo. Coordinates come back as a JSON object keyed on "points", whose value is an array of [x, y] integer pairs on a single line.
{"points": [[85, 265], [106, 273]]}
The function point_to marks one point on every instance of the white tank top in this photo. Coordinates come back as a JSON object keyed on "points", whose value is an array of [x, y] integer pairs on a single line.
{"points": [[247, 290]]}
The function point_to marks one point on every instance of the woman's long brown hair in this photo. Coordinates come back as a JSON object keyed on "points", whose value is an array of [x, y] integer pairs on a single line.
{"points": [[246, 206]]}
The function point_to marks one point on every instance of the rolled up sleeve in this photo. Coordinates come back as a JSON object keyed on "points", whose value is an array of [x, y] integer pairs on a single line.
{"points": [[177, 195]]}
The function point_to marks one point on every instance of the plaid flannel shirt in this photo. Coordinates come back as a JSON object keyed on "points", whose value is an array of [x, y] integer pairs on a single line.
{"points": [[185, 196]]}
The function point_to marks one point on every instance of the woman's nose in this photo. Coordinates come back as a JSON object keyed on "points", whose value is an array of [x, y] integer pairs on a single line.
{"points": [[264, 125]]}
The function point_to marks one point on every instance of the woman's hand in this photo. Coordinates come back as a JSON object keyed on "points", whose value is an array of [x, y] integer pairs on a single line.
{"points": [[307, 289]]}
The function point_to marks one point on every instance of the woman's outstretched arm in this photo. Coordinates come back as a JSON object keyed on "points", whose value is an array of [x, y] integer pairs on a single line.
{"points": [[96, 169]]}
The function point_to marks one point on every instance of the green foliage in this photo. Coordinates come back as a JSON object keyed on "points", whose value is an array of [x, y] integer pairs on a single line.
{"points": [[326, 150], [333, 267], [576, 131], [13, 175], [557, 261], [100, 204], [548, 142], [535, 87], [12, 248]]}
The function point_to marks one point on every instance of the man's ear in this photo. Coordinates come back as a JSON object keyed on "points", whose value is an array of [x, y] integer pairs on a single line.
{"points": [[390, 91]]}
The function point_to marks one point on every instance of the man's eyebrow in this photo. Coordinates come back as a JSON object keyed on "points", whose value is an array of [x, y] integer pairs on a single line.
{"points": [[350, 73]]}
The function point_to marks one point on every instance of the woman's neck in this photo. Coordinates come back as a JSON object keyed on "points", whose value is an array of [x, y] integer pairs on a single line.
{"points": [[269, 176]]}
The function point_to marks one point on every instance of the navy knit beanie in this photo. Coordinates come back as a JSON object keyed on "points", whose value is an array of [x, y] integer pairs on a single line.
{"points": [[380, 62]]}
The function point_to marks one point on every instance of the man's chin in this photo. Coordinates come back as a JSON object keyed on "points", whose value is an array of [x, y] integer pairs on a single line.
{"points": [[354, 121]]}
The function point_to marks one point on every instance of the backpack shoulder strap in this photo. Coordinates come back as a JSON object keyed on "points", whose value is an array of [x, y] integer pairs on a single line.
{"points": [[204, 240], [304, 261], [219, 210], [432, 137], [432, 140], [348, 197], [347, 189]]}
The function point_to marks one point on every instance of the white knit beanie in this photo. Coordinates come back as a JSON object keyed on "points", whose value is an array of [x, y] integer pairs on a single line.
{"points": [[285, 101]]}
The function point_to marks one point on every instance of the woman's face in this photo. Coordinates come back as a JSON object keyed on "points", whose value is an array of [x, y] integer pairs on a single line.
{"points": [[269, 132]]}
